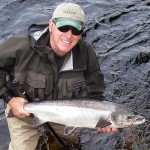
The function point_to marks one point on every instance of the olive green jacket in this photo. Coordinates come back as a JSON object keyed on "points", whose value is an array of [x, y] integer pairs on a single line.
{"points": [[30, 60]]}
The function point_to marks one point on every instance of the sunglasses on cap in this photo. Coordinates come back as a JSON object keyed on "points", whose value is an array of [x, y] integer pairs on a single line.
{"points": [[67, 28]]}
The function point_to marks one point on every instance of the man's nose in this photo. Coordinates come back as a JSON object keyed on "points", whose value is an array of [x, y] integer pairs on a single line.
{"points": [[68, 33]]}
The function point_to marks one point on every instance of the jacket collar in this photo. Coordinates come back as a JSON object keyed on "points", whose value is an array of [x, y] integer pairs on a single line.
{"points": [[75, 60], [39, 38]]}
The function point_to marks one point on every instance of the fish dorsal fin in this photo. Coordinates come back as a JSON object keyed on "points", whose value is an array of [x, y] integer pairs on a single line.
{"points": [[102, 123], [38, 121], [68, 129]]}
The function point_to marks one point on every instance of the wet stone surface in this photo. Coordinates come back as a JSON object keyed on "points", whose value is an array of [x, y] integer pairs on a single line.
{"points": [[119, 31]]}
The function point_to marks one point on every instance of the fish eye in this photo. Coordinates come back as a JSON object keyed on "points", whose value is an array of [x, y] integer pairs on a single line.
{"points": [[129, 117]]}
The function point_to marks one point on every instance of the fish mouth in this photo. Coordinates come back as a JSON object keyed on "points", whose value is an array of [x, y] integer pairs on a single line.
{"points": [[140, 120], [137, 120]]}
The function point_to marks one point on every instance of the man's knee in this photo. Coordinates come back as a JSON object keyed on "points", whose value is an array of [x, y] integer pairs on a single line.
{"points": [[22, 134]]}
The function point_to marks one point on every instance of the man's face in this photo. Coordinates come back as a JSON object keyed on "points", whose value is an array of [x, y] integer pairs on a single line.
{"points": [[62, 42]]}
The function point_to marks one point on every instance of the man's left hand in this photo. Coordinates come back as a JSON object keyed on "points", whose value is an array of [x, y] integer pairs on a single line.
{"points": [[107, 129]]}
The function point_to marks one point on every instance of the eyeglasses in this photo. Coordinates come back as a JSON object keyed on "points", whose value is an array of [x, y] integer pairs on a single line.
{"points": [[67, 28]]}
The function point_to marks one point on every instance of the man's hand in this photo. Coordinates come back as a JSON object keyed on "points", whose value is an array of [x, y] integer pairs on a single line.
{"points": [[16, 104], [107, 129]]}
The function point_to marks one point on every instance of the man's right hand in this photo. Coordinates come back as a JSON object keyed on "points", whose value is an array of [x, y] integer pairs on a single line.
{"points": [[16, 104]]}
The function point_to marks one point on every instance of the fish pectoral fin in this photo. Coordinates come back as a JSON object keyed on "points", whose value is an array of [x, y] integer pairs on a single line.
{"points": [[38, 121], [102, 123], [68, 129]]}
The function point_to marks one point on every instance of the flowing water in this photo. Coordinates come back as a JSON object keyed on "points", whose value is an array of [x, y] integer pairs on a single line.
{"points": [[119, 31]]}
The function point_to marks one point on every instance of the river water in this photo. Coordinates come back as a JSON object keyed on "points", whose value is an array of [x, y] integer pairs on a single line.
{"points": [[119, 30]]}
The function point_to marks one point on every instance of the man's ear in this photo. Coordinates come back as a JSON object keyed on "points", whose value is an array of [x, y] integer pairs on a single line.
{"points": [[50, 22]]}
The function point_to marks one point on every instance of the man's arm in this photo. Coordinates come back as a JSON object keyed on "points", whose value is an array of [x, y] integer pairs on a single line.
{"points": [[8, 50]]}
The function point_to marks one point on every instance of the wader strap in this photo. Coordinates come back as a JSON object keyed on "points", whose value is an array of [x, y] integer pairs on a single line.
{"points": [[49, 127]]}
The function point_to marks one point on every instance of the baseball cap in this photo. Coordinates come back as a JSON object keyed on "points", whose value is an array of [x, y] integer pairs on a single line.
{"points": [[69, 14]]}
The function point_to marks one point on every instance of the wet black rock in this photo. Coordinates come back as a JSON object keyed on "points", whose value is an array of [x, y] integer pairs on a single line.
{"points": [[119, 31]]}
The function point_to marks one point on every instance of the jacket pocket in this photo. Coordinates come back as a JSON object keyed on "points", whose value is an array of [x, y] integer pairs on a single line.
{"points": [[35, 85], [71, 88]]}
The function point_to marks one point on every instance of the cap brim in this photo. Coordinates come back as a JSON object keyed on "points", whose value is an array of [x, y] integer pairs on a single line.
{"points": [[68, 22]]}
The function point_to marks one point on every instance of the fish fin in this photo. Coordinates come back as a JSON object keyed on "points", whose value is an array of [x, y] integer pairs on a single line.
{"points": [[38, 121], [102, 123], [68, 129]]}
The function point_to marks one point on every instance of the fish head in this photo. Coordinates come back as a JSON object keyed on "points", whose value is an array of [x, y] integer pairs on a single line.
{"points": [[126, 118]]}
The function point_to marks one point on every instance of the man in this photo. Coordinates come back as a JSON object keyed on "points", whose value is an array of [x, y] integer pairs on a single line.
{"points": [[50, 62]]}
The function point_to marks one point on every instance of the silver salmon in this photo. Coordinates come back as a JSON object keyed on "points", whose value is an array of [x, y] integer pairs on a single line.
{"points": [[83, 113]]}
